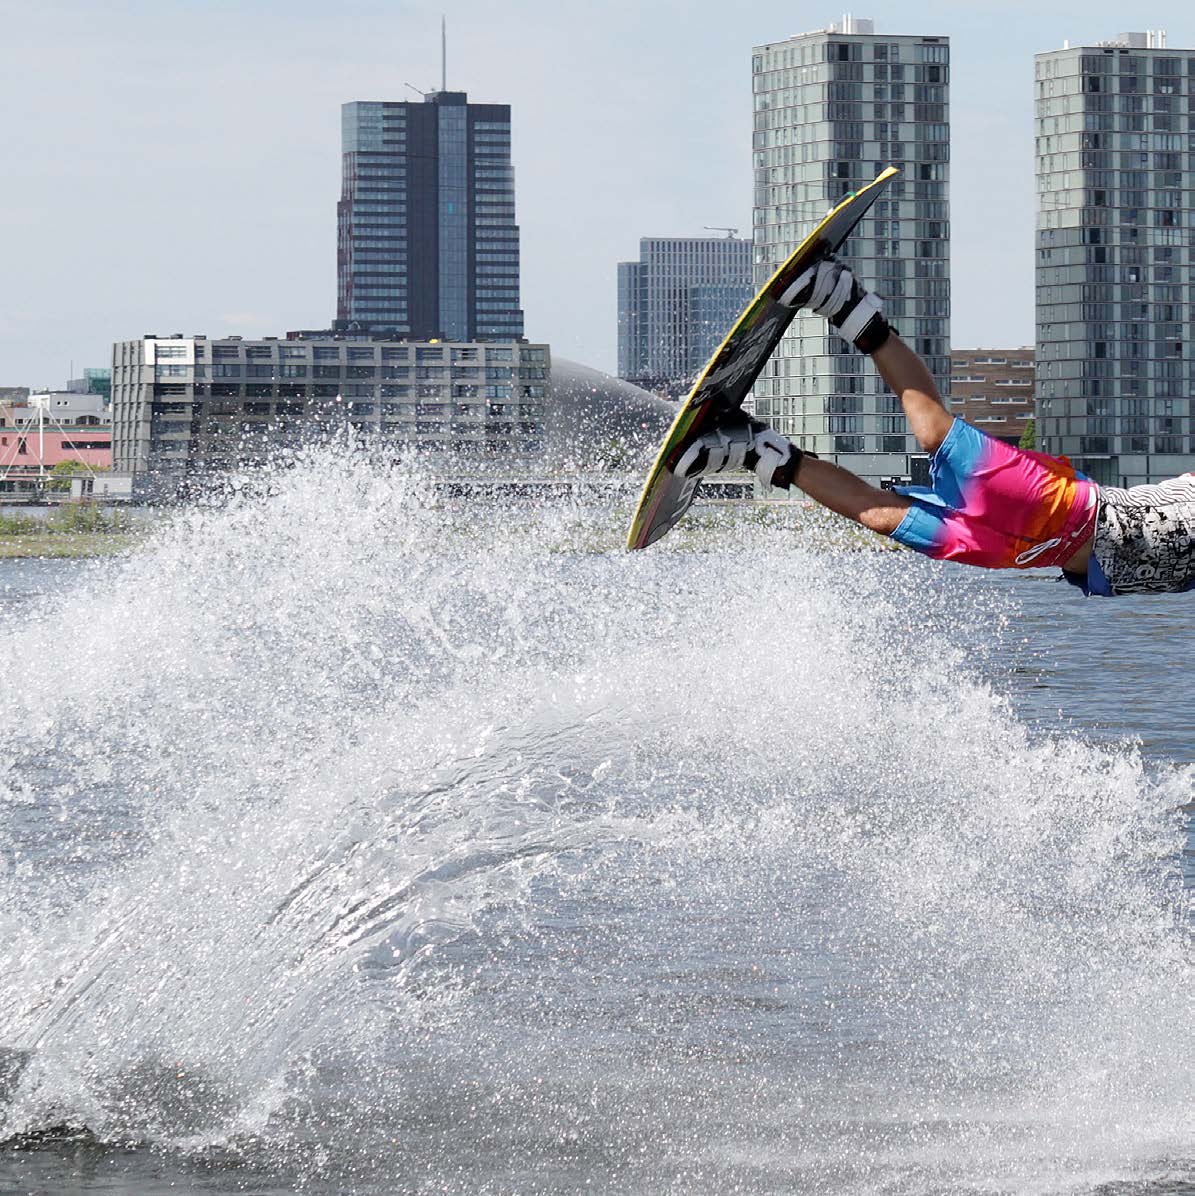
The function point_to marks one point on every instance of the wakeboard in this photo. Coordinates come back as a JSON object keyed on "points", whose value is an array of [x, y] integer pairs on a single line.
{"points": [[727, 379]]}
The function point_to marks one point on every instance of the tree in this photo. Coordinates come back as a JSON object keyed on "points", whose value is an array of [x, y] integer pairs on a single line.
{"points": [[61, 474], [1029, 435]]}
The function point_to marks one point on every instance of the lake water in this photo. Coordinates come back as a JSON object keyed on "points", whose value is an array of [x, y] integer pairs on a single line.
{"points": [[350, 846]]}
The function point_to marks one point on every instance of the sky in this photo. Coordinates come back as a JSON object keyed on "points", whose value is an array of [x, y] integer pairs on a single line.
{"points": [[174, 165]]}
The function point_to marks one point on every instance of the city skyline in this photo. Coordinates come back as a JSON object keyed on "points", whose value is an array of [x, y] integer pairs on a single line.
{"points": [[165, 196]]}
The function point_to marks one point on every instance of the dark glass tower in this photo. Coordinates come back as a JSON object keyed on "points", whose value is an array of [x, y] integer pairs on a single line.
{"points": [[427, 241]]}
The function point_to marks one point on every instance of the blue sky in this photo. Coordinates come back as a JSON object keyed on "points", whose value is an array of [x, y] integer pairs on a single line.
{"points": [[173, 165]]}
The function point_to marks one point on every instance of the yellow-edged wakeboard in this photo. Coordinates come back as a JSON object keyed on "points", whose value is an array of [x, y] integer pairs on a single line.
{"points": [[732, 370]]}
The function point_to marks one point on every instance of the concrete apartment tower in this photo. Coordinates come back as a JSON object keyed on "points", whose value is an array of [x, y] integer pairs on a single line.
{"points": [[1115, 352], [675, 306], [427, 242], [832, 109]]}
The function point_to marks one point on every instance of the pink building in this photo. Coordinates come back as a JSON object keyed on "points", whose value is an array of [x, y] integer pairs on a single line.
{"points": [[47, 429]]}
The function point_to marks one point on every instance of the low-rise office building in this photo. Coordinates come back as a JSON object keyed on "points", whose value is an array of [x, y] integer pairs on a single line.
{"points": [[41, 432], [54, 407], [189, 405], [994, 389]]}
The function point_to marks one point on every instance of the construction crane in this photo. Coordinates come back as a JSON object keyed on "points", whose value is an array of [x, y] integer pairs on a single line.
{"points": [[722, 228]]}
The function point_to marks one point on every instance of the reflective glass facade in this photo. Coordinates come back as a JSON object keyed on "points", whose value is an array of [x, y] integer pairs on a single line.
{"points": [[675, 306], [1115, 366], [427, 242], [831, 111]]}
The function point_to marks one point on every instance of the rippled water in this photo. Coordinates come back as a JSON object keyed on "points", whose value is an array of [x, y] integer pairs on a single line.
{"points": [[355, 845]]}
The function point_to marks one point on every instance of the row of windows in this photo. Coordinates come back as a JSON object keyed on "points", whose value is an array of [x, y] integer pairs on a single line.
{"points": [[361, 401], [355, 353], [857, 72], [1169, 65], [797, 52], [288, 393], [352, 371]]}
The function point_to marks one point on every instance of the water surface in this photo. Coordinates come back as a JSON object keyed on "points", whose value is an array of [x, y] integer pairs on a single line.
{"points": [[354, 846]]}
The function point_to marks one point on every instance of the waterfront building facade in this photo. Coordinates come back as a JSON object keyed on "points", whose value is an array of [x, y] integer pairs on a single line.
{"points": [[832, 109], [427, 244], [48, 429], [1115, 358], [189, 405], [675, 306], [994, 389]]}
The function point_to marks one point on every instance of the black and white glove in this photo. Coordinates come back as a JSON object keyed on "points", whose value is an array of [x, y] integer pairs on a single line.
{"points": [[831, 290]]}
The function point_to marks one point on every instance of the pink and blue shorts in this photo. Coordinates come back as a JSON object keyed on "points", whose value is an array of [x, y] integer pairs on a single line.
{"points": [[997, 506]]}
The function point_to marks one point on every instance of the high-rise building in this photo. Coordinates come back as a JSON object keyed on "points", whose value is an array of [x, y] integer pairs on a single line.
{"points": [[427, 242], [1115, 357], [675, 306], [832, 109]]}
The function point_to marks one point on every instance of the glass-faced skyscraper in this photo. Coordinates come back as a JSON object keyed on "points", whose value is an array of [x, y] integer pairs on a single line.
{"points": [[675, 306], [427, 242], [1115, 354], [832, 109]]}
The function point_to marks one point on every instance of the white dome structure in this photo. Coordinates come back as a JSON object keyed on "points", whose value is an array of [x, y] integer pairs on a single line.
{"points": [[595, 420]]}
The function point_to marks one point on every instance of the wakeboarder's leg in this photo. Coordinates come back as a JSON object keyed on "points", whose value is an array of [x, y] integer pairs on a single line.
{"points": [[830, 289], [846, 494], [741, 442]]}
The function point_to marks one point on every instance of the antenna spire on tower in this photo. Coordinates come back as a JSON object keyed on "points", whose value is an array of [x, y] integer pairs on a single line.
{"points": [[443, 53]]}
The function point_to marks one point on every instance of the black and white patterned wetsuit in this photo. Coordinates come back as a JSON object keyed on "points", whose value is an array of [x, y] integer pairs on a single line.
{"points": [[1144, 539]]}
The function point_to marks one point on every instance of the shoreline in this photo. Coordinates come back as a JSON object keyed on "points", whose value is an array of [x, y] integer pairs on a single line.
{"points": [[65, 545]]}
